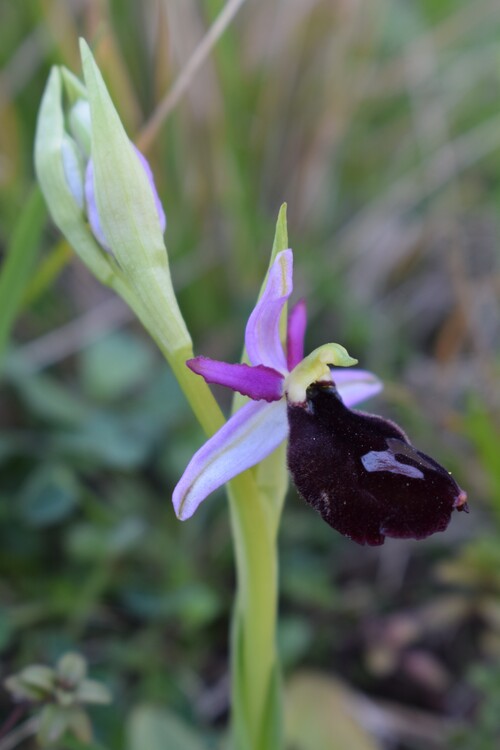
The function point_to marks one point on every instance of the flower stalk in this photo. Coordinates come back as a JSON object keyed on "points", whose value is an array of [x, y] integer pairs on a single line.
{"points": [[255, 512], [256, 700]]}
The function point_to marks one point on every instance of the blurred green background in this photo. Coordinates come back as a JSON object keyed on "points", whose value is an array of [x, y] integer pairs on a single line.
{"points": [[379, 123]]}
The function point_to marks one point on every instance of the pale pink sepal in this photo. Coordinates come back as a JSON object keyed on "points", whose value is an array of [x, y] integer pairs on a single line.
{"points": [[150, 176], [355, 385], [246, 439], [262, 336], [90, 199], [92, 212], [257, 382], [297, 322]]}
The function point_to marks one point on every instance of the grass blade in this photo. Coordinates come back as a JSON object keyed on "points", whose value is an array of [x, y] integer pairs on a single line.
{"points": [[15, 273]]}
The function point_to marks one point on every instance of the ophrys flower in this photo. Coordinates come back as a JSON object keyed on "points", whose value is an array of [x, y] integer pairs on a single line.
{"points": [[359, 471]]}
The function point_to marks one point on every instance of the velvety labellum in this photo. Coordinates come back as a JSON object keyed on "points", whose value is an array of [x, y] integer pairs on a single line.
{"points": [[363, 476]]}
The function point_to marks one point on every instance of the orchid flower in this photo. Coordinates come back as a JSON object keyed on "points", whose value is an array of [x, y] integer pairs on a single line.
{"points": [[359, 471], [256, 429]]}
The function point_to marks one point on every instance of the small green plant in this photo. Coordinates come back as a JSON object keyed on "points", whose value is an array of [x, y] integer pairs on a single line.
{"points": [[59, 696]]}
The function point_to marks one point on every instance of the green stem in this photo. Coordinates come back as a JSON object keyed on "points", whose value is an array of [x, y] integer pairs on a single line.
{"points": [[254, 657], [255, 673], [197, 392]]}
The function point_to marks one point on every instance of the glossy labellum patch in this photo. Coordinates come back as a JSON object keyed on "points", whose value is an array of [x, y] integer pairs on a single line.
{"points": [[363, 476]]}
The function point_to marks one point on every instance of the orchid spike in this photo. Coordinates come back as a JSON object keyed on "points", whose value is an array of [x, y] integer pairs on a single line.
{"points": [[359, 471]]}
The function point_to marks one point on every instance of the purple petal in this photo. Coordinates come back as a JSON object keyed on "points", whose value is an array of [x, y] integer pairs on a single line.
{"points": [[257, 382], [93, 213], [247, 438], [297, 322], [355, 385], [149, 175], [73, 169], [262, 336]]}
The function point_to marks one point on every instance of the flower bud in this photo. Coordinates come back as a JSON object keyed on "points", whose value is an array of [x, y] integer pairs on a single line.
{"points": [[101, 194], [80, 125], [60, 169]]}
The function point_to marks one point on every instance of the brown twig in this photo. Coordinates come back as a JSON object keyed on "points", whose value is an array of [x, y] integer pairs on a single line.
{"points": [[168, 103]]}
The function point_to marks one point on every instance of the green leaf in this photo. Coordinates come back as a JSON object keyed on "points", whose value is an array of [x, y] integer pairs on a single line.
{"points": [[482, 430], [280, 243], [89, 543], [7, 628], [33, 683], [115, 365], [38, 676], [272, 480], [53, 723], [79, 724], [194, 604], [17, 269], [47, 272], [107, 440], [239, 719], [319, 716], [47, 398], [272, 728], [152, 728], [72, 743], [21, 691], [281, 234], [91, 691], [49, 495], [295, 636]]}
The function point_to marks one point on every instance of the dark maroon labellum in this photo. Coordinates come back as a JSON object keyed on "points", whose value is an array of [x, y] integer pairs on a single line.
{"points": [[361, 473]]}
